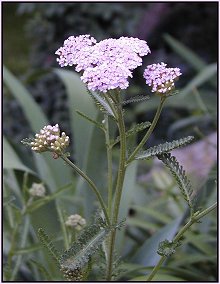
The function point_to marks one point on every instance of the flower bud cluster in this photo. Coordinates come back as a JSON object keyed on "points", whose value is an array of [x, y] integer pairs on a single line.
{"points": [[75, 221], [49, 139], [161, 78], [37, 189]]}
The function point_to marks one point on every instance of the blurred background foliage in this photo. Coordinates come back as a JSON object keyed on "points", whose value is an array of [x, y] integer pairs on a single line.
{"points": [[179, 34]]}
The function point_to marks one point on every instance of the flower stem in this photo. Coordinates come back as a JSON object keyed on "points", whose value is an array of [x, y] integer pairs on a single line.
{"points": [[109, 159], [150, 130], [119, 186], [90, 182], [195, 218]]}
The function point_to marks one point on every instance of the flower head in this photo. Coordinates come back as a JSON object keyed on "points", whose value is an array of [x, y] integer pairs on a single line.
{"points": [[37, 189], [72, 48], [107, 64], [49, 139], [137, 45], [161, 78], [107, 76], [75, 221]]}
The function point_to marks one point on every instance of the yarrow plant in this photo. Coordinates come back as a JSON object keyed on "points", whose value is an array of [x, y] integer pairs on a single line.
{"points": [[106, 69]]}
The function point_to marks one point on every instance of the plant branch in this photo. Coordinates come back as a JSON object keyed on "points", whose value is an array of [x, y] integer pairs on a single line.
{"points": [[119, 185], [150, 130], [109, 159], [195, 218], [91, 183]]}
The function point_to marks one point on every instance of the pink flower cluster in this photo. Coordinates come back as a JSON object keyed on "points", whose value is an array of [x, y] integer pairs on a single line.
{"points": [[106, 65], [161, 78], [73, 48]]}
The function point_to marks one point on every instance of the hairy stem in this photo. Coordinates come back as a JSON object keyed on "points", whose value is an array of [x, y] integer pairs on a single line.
{"points": [[150, 130], [109, 159], [119, 186], [91, 183], [193, 219]]}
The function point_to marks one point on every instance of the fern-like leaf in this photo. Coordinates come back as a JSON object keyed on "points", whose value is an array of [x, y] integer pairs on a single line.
{"points": [[135, 129], [87, 244], [179, 174], [136, 99], [163, 148], [27, 141], [101, 103], [47, 242], [96, 123]]}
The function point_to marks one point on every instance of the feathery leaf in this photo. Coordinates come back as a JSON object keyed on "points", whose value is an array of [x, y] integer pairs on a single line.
{"points": [[87, 243], [101, 103], [179, 175], [135, 129], [163, 148], [47, 242], [136, 99]]}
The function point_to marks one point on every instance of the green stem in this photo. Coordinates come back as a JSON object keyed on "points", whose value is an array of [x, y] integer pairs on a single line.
{"points": [[23, 243], [109, 159], [195, 218], [150, 130], [63, 227], [91, 183], [15, 233], [111, 104], [119, 186], [14, 239]]}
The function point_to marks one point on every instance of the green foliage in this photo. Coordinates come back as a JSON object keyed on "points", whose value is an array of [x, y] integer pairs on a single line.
{"points": [[167, 248], [202, 77], [42, 269], [96, 123], [30, 108], [47, 242], [134, 130], [194, 60], [179, 175], [135, 99], [53, 173], [11, 160], [163, 148], [87, 243], [146, 254], [101, 103], [8, 200]]}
